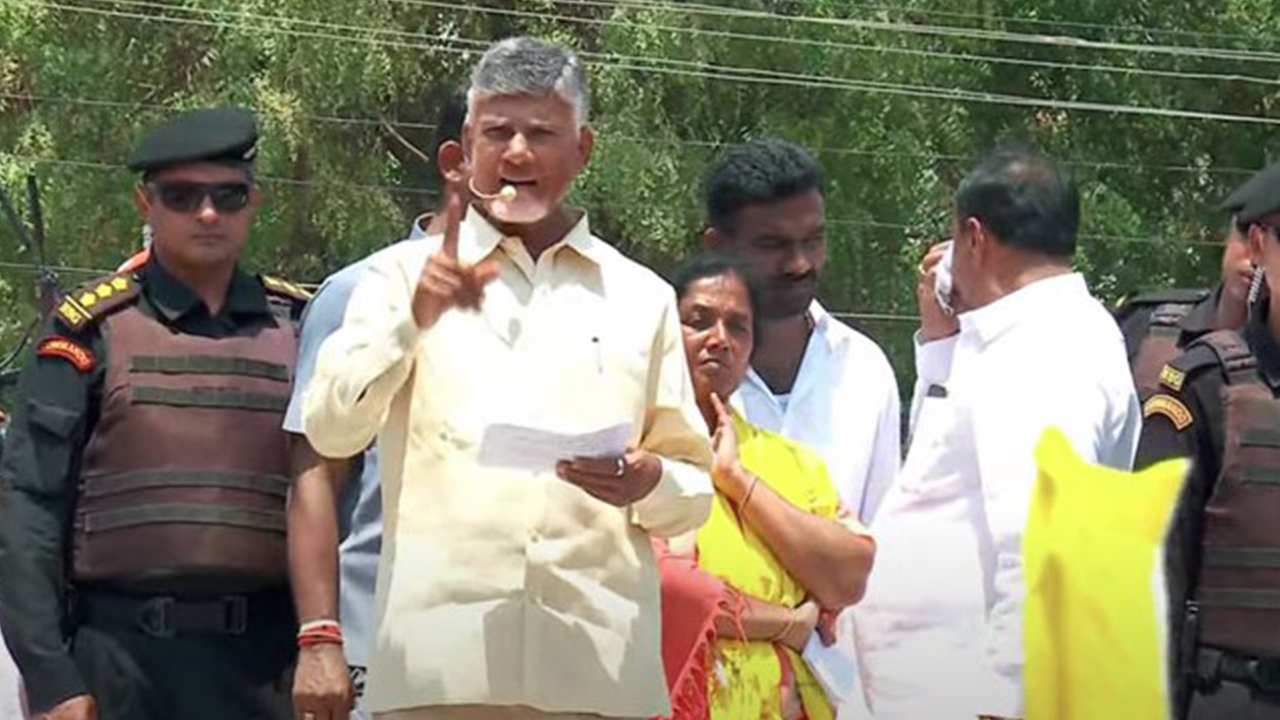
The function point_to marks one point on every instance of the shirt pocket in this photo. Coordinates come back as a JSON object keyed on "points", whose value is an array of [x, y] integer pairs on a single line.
{"points": [[53, 430], [602, 364], [55, 421]]}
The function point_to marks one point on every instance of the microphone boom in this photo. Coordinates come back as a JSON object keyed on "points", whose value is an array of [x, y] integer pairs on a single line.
{"points": [[507, 193]]}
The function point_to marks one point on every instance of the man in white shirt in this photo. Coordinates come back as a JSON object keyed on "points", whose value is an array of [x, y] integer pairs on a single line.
{"points": [[506, 591], [940, 630], [813, 379]]}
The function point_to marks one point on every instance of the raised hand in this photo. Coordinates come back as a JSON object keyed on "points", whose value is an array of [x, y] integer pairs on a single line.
{"points": [[935, 323], [446, 283], [804, 621], [726, 469]]}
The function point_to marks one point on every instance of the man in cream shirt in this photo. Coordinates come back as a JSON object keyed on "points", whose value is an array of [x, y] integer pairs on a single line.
{"points": [[940, 629], [508, 593]]}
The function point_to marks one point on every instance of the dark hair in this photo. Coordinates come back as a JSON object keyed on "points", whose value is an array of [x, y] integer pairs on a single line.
{"points": [[706, 265], [1240, 227], [449, 126], [1026, 199], [758, 171]]}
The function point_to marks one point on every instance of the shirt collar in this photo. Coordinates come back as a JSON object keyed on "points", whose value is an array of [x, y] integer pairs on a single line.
{"points": [[826, 327], [991, 321], [1265, 349], [173, 299], [478, 238], [419, 228]]}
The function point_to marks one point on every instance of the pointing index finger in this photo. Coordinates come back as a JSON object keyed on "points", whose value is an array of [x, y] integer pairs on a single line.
{"points": [[722, 413], [453, 210]]}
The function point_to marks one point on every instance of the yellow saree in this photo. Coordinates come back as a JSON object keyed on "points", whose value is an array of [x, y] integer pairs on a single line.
{"points": [[749, 677]]}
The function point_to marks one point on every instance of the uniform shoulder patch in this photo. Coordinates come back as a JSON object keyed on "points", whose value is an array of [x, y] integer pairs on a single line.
{"points": [[67, 349], [1172, 378], [1170, 407], [278, 286], [96, 298]]}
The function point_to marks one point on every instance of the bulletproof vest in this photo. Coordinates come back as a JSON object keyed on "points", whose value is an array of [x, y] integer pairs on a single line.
{"points": [[1239, 584], [186, 472], [1164, 339]]}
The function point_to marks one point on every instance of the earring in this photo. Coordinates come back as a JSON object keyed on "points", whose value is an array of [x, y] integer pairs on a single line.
{"points": [[147, 235]]}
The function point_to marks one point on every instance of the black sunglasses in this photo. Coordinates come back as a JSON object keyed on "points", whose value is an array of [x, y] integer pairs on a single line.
{"points": [[186, 197]]}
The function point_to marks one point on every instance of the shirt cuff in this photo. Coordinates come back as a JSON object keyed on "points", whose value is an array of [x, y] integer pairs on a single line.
{"points": [[680, 502], [51, 681], [933, 359]]}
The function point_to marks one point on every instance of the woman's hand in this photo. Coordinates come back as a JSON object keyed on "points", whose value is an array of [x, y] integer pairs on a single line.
{"points": [[804, 620], [726, 470]]}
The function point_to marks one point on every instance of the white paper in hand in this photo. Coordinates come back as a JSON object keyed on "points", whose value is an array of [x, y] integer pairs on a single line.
{"points": [[525, 448], [836, 669]]}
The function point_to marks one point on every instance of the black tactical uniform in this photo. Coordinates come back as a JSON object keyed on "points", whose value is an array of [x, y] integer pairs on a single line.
{"points": [[1219, 404], [142, 491], [1158, 326]]}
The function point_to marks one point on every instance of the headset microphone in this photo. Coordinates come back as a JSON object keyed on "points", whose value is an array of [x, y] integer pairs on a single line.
{"points": [[507, 193]]}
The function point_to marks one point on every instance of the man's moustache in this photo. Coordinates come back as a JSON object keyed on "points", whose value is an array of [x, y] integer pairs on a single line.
{"points": [[791, 282]]}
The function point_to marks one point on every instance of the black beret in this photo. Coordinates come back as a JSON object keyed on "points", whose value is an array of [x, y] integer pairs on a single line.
{"points": [[1239, 197], [217, 135], [1264, 199]]}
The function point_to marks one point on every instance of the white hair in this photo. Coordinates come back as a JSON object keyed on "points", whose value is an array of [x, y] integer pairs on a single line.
{"points": [[528, 66]]}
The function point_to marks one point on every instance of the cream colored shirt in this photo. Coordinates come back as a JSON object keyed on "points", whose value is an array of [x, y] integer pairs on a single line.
{"points": [[497, 586]]}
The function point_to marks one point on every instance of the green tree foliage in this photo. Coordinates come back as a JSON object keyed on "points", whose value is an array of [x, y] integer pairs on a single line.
{"points": [[895, 99]]}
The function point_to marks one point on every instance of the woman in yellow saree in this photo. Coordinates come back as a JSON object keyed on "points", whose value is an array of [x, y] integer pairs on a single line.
{"points": [[776, 556]]}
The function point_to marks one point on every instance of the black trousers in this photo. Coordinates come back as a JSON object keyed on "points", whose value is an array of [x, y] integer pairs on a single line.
{"points": [[1232, 701], [134, 675]]}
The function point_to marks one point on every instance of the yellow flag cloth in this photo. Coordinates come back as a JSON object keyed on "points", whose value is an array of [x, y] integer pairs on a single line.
{"points": [[1090, 548]]}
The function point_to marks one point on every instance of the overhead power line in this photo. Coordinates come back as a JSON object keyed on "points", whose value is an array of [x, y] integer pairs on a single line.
{"points": [[614, 137], [829, 44], [1128, 29], [669, 66], [1060, 41]]}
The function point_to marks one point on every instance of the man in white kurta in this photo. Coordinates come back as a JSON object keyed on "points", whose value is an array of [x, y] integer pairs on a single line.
{"points": [[940, 629], [507, 593], [813, 379]]}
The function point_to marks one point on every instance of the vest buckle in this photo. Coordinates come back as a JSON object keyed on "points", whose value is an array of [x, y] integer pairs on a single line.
{"points": [[235, 609], [155, 618]]}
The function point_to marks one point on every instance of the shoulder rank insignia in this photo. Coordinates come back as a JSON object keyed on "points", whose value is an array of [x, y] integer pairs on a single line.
{"points": [[1170, 407], [95, 299], [1172, 378], [284, 287], [70, 350]]}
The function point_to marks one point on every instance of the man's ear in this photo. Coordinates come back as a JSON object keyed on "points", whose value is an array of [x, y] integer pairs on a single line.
{"points": [[142, 201], [586, 143], [451, 162], [713, 239], [976, 236]]}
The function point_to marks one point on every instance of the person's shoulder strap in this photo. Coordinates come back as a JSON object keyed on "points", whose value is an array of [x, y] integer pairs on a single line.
{"points": [[284, 288], [94, 300], [1233, 354]]}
